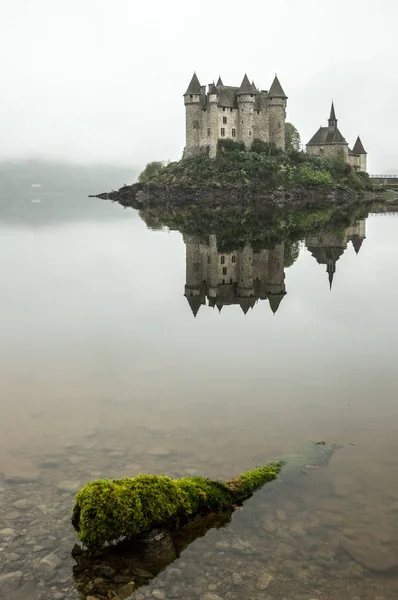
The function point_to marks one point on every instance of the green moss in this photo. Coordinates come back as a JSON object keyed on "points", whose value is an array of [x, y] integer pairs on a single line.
{"points": [[108, 510]]}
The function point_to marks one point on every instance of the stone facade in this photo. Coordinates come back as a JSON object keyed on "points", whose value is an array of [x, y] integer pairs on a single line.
{"points": [[240, 277], [328, 141], [242, 114]]}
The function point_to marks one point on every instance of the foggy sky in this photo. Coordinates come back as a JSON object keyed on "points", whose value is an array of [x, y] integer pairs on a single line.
{"points": [[94, 80]]}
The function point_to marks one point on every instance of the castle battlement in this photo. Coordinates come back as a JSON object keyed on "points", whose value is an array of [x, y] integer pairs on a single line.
{"points": [[244, 113]]}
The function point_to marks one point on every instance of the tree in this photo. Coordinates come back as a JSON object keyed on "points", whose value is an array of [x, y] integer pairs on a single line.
{"points": [[292, 138], [150, 171]]}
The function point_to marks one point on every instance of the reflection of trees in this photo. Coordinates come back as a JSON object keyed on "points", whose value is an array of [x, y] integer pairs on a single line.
{"points": [[291, 252], [120, 570], [260, 226]]}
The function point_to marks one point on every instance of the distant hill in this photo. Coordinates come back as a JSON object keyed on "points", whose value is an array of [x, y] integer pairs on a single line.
{"points": [[41, 192]]}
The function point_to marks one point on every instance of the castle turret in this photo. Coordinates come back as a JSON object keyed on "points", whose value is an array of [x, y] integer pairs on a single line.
{"points": [[192, 117], [213, 124], [246, 98], [245, 288], [277, 114], [360, 154], [193, 287], [276, 289]]}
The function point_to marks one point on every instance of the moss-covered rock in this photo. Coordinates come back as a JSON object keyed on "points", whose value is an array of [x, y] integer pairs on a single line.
{"points": [[108, 510]]}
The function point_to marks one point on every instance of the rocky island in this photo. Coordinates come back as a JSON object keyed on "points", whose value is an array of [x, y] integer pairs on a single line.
{"points": [[261, 175]]}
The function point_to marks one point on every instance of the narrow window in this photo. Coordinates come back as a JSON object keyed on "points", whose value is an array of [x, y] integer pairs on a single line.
{"points": [[224, 120], [233, 259], [251, 95], [242, 122], [224, 270], [224, 109], [233, 132], [208, 132], [222, 132], [250, 132], [230, 280], [230, 110], [190, 95], [222, 260], [258, 112], [196, 124], [223, 281]]}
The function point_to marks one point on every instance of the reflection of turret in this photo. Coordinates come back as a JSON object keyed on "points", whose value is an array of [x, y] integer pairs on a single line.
{"points": [[328, 247], [237, 277], [356, 234]]}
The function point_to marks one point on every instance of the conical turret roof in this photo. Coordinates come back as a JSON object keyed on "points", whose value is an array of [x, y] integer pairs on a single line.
{"points": [[194, 86], [246, 87], [357, 243], [219, 81], [195, 304], [275, 300], [213, 89], [276, 90], [358, 147]]}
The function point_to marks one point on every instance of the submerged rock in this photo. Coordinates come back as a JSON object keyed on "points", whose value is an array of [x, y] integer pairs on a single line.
{"points": [[369, 556], [9, 583], [264, 581]]}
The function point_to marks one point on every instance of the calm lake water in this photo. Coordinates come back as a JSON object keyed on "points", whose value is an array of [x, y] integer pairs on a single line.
{"points": [[105, 372]]}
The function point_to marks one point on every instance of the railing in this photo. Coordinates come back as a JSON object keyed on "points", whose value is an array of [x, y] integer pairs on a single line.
{"points": [[383, 176]]}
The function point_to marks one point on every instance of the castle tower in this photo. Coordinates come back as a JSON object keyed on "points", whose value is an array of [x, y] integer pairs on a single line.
{"points": [[360, 154], [192, 117], [245, 288], [277, 114], [193, 288], [246, 98], [213, 124], [276, 289]]}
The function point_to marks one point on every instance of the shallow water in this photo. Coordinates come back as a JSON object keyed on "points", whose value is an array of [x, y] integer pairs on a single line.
{"points": [[104, 371]]}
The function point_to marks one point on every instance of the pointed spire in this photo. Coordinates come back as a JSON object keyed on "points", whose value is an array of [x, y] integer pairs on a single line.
{"points": [[276, 90], [358, 147], [219, 81], [213, 89], [332, 119], [194, 86], [246, 87], [331, 270], [195, 304]]}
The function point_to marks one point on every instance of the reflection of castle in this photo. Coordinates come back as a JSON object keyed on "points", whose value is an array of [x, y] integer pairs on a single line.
{"points": [[328, 247], [238, 277]]}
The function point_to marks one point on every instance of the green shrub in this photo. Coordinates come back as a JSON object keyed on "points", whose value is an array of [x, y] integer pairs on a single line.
{"points": [[151, 171]]}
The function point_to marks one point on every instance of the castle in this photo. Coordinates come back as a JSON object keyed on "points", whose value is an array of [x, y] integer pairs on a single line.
{"points": [[239, 277], [245, 276], [328, 141], [244, 113]]}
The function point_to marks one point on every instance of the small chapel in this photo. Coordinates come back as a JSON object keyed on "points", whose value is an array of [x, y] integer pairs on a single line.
{"points": [[329, 141]]}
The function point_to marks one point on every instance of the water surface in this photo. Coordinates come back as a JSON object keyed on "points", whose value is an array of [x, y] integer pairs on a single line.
{"points": [[105, 371]]}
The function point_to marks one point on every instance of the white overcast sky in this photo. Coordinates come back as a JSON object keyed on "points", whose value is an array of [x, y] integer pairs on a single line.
{"points": [[102, 80]]}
